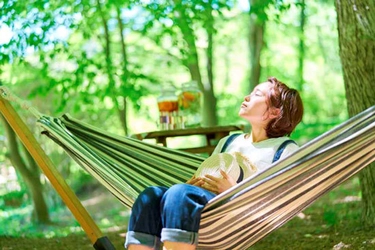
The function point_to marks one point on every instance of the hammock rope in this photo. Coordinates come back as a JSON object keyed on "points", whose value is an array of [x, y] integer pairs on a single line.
{"points": [[8, 95]]}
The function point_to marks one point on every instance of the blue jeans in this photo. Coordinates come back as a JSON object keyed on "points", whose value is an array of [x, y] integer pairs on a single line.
{"points": [[167, 214]]}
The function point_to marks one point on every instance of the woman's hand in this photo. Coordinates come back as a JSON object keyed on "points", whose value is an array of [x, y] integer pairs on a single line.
{"points": [[195, 181], [218, 185]]}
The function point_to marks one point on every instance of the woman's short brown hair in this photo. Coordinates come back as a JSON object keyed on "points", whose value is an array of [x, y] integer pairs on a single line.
{"points": [[290, 105]]}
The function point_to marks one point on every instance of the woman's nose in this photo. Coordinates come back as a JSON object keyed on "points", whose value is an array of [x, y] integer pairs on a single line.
{"points": [[247, 98]]}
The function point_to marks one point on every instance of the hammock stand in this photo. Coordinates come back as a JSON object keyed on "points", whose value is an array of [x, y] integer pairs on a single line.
{"points": [[99, 241], [243, 214]]}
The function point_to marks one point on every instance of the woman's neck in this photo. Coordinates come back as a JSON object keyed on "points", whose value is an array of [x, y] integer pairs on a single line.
{"points": [[258, 135]]}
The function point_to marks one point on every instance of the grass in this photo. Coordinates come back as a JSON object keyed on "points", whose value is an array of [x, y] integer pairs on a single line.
{"points": [[332, 222]]}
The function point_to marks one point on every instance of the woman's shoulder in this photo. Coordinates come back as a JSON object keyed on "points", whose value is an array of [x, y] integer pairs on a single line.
{"points": [[230, 138], [275, 142], [289, 147], [226, 141]]}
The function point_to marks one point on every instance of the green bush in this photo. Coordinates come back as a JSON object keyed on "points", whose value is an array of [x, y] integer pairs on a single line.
{"points": [[13, 199]]}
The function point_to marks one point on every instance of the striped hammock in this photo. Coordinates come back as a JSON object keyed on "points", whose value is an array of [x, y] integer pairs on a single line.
{"points": [[244, 214]]}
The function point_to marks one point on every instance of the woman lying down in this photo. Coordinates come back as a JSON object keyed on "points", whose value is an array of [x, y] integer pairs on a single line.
{"points": [[170, 217]]}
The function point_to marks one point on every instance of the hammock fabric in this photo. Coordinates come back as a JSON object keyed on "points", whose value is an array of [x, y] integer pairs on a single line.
{"points": [[244, 214]]}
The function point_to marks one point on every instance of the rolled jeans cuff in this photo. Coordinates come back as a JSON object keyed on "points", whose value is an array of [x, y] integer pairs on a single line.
{"points": [[178, 235], [138, 238]]}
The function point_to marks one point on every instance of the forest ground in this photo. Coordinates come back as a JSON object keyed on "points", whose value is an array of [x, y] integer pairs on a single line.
{"points": [[332, 222]]}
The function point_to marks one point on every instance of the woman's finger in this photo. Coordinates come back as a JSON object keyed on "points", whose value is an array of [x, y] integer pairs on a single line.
{"points": [[224, 174], [212, 182], [193, 180], [211, 177], [199, 183], [209, 187]]}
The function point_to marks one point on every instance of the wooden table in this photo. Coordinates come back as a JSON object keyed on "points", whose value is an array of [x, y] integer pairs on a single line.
{"points": [[212, 136]]}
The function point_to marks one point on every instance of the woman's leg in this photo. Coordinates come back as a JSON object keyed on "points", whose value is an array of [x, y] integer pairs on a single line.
{"points": [[144, 230], [139, 247], [181, 209], [169, 245]]}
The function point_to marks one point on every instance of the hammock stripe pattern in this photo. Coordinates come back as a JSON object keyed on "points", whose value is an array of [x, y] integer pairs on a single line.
{"points": [[244, 214], [125, 166]]}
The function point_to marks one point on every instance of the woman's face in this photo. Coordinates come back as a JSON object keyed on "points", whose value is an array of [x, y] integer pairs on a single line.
{"points": [[255, 108]]}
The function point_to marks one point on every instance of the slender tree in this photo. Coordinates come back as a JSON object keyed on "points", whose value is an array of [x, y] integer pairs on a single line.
{"points": [[356, 28], [30, 174], [125, 76], [107, 45], [210, 94], [301, 51], [257, 25], [191, 61]]}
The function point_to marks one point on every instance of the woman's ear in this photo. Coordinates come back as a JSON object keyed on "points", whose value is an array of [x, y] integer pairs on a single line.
{"points": [[273, 113]]}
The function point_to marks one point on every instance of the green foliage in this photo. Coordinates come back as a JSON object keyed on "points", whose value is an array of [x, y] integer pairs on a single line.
{"points": [[74, 70], [13, 199], [82, 182], [17, 221], [330, 217], [3, 150]]}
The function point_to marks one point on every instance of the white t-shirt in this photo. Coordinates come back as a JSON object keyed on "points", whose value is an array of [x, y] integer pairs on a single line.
{"points": [[260, 153]]}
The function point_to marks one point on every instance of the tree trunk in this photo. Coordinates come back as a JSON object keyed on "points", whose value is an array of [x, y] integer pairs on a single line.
{"points": [[125, 72], [301, 55], [109, 65], [209, 106], [256, 39], [210, 95], [30, 174], [192, 63], [356, 27]]}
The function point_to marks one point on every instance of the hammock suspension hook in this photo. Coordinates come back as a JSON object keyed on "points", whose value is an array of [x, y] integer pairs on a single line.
{"points": [[8, 95]]}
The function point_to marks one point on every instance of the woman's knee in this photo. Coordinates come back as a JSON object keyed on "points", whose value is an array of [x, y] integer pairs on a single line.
{"points": [[180, 190], [181, 194], [151, 195], [183, 189], [181, 207]]}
